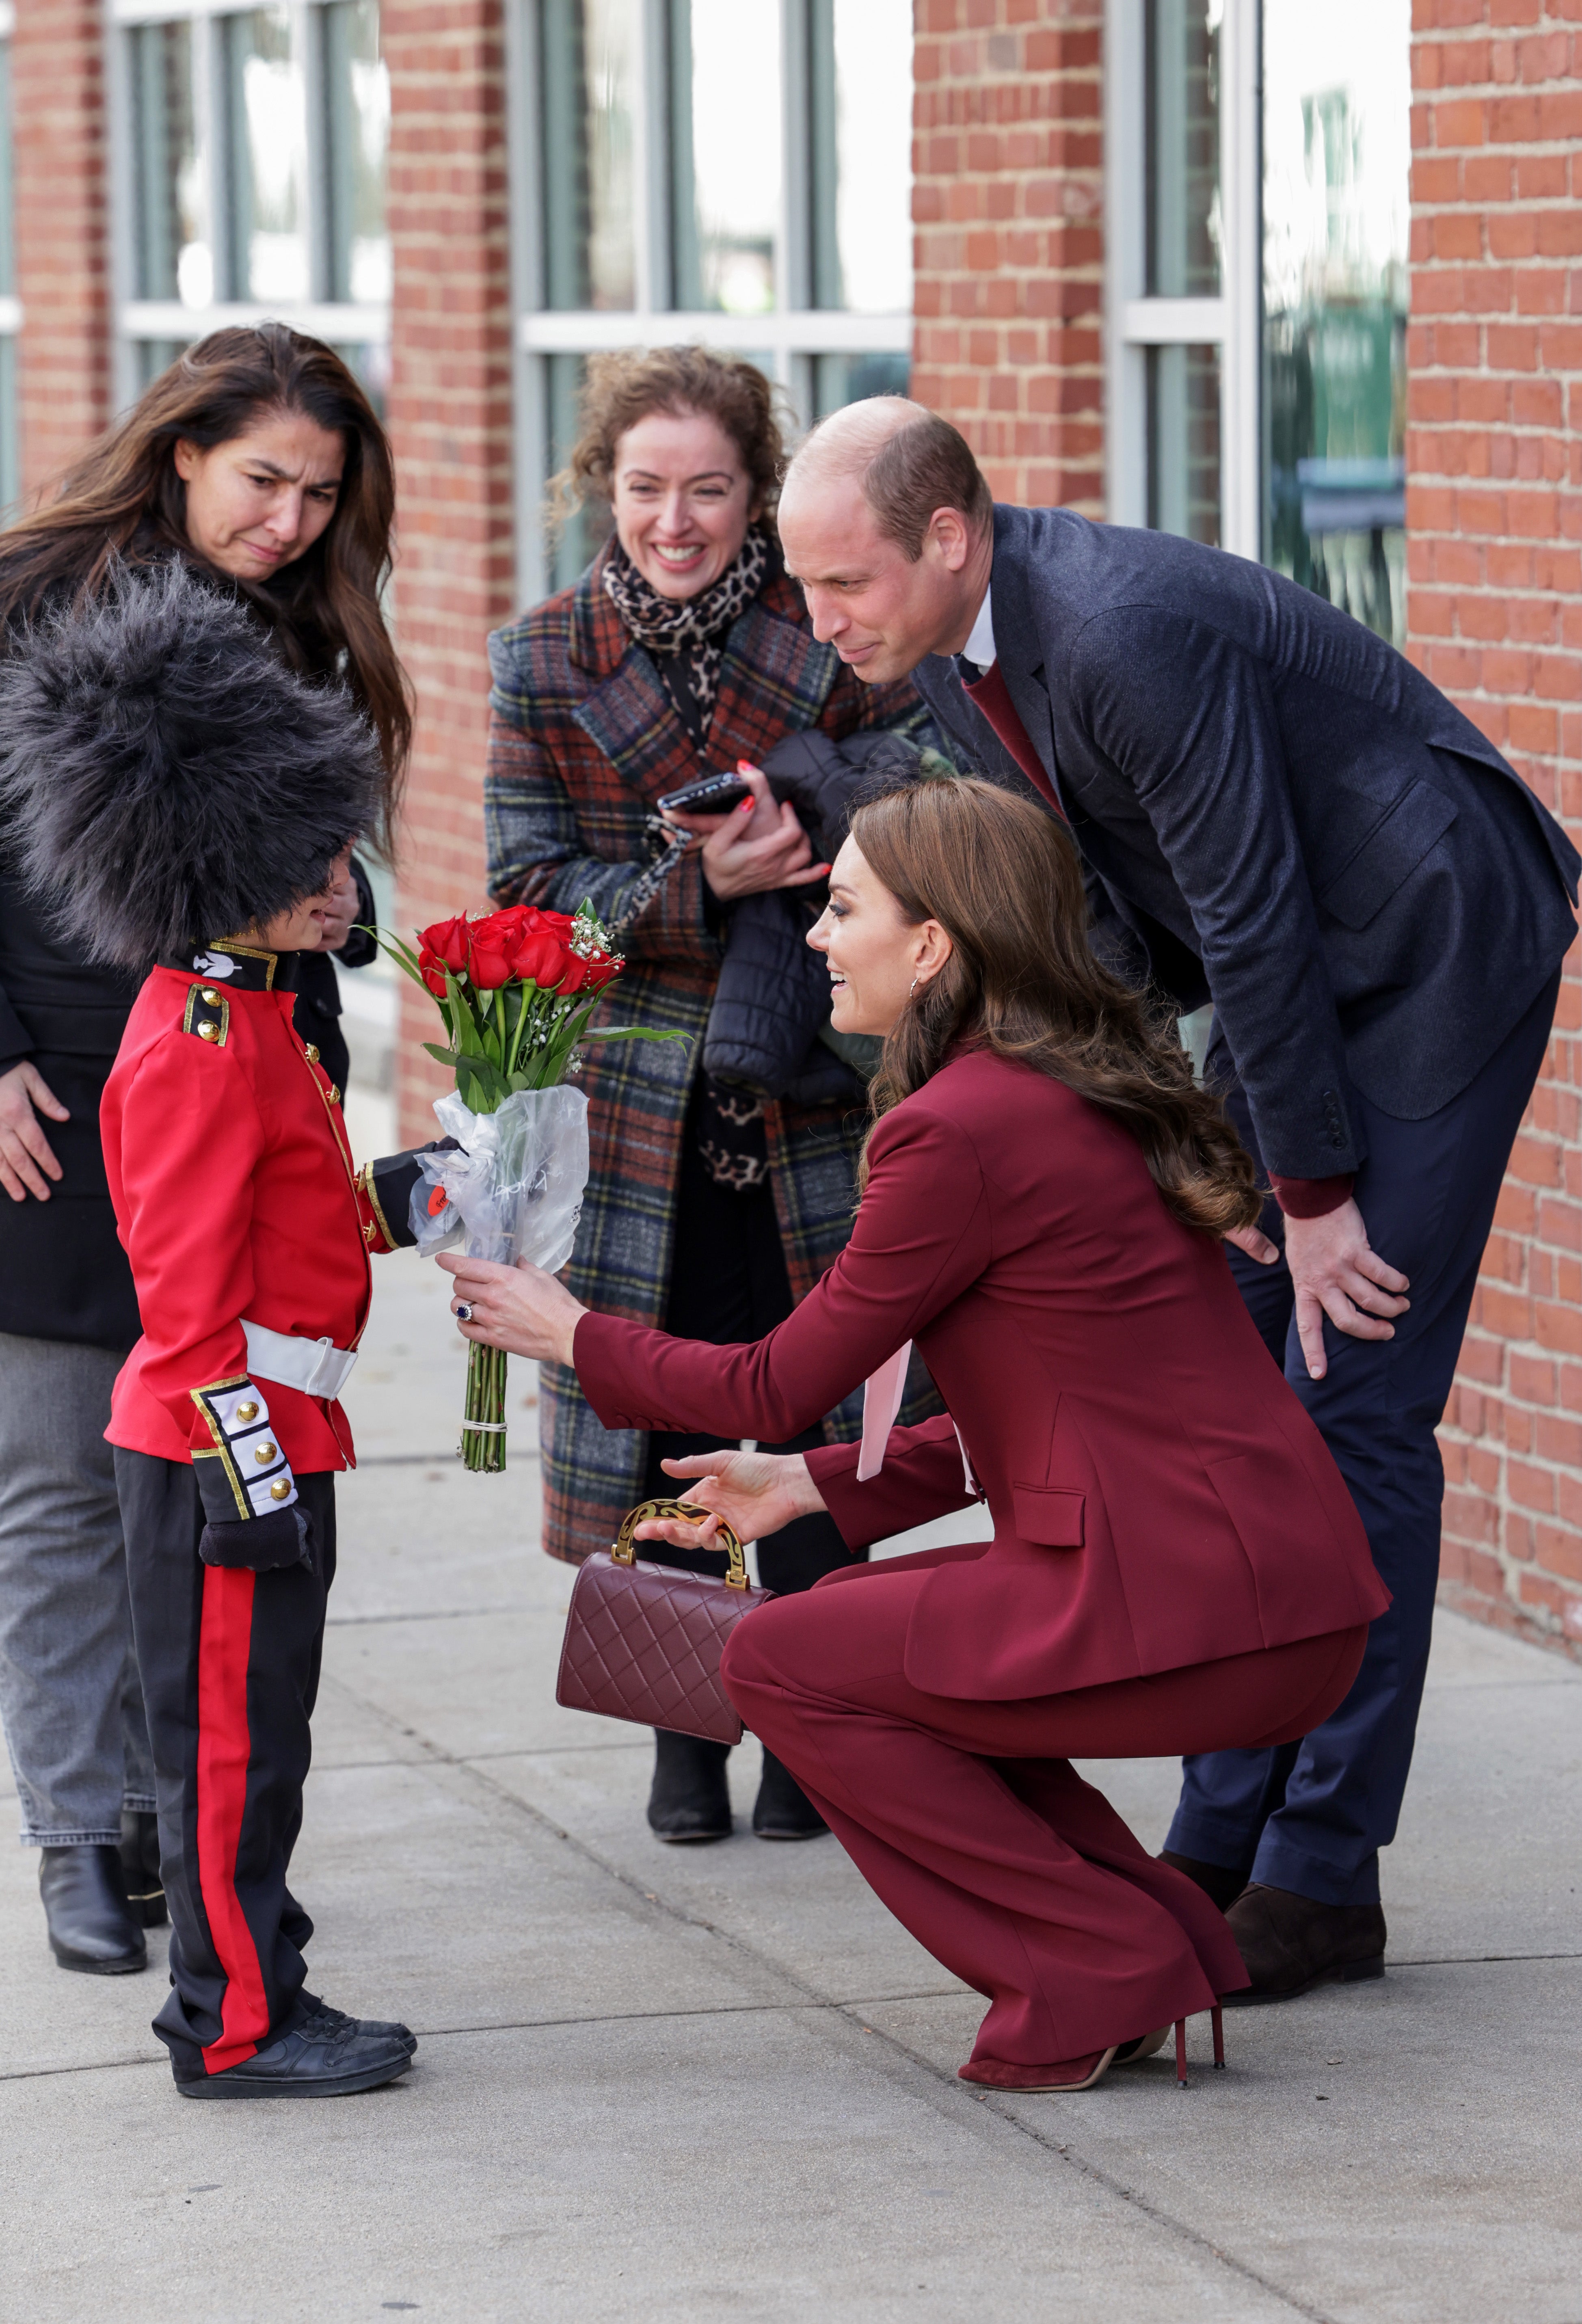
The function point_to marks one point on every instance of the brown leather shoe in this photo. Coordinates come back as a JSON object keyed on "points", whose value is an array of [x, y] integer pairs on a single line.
{"points": [[1292, 1943], [1216, 1881]]}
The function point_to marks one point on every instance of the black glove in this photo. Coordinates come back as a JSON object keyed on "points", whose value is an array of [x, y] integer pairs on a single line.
{"points": [[260, 1545], [391, 1180]]}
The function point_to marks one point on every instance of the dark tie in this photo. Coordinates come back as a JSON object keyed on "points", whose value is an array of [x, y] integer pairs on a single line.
{"points": [[991, 696]]}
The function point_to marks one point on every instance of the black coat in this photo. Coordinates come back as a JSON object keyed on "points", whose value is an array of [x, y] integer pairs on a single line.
{"points": [[772, 1002], [1277, 812], [63, 1274]]}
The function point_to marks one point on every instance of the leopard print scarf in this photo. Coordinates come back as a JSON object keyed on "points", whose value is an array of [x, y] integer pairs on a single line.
{"points": [[695, 626]]}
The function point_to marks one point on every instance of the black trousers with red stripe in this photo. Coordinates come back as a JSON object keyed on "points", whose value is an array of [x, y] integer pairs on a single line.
{"points": [[230, 1670]]}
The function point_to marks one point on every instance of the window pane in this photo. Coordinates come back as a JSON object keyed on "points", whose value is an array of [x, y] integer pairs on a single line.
{"points": [[369, 363], [268, 156], [847, 379], [7, 239], [859, 87], [357, 106], [174, 259], [725, 155], [1183, 441], [1337, 156], [588, 78], [582, 535], [1181, 81], [154, 356]]}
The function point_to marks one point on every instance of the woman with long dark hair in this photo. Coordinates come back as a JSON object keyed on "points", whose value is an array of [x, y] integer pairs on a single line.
{"points": [[1176, 1564], [257, 461]]}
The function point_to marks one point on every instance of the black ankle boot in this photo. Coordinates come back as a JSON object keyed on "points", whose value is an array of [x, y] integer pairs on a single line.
{"points": [[140, 1866], [85, 1904], [690, 1800], [783, 1809]]}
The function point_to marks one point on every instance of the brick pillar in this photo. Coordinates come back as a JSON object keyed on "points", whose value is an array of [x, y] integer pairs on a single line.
{"points": [[450, 417], [1008, 201], [1494, 613], [62, 259]]}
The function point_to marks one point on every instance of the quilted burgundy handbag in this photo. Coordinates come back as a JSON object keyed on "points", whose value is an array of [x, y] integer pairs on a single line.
{"points": [[644, 1642]]}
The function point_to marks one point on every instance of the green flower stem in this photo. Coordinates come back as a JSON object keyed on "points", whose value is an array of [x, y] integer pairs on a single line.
{"points": [[485, 1449]]}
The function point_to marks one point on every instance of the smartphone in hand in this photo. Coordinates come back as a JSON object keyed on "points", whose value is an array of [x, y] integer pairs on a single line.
{"points": [[715, 794]]}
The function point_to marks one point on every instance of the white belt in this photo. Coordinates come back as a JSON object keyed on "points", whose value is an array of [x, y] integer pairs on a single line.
{"points": [[318, 1366]]}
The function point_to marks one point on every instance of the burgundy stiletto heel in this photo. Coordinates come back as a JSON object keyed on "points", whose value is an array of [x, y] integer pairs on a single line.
{"points": [[1216, 2019]]}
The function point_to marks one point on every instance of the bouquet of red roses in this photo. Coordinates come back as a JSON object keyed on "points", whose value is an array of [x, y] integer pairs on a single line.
{"points": [[515, 989]]}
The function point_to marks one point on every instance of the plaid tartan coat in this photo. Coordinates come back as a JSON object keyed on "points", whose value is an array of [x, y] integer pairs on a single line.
{"points": [[583, 740]]}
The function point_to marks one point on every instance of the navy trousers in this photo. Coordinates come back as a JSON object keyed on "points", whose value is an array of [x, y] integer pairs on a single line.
{"points": [[230, 1670], [1312, 1816]]}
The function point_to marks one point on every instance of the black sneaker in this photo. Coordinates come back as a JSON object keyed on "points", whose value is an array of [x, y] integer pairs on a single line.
{"points": [[312, 2059], [319, 2013]]}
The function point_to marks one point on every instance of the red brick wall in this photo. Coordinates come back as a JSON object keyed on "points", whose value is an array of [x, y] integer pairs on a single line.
{"points": [[62, 259], [1495, 610], [450, 416], [1007, 200]]}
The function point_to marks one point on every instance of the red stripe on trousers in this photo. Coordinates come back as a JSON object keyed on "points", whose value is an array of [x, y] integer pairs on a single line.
{"points": [[224, 1749]]}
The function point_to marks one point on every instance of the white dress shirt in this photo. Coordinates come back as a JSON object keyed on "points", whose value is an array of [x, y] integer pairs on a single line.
{"points": [[980, 646]]}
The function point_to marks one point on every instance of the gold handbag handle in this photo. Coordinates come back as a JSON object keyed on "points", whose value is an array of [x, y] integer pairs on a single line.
{"points": [[624, 1549]]}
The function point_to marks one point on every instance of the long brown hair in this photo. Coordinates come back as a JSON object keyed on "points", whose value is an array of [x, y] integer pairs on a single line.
{"points": [[625, 384], [1002, 878], [123, 502]]}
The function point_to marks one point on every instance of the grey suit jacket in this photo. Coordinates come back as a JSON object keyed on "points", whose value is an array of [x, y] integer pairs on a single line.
{"points": [[1277, 812]]}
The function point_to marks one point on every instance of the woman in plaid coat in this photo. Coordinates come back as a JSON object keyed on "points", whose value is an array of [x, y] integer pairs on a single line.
{"points": [[682, 649]]}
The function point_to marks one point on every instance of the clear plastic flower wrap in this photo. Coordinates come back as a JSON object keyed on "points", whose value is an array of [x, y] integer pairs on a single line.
{"points": [[515, 1189]]}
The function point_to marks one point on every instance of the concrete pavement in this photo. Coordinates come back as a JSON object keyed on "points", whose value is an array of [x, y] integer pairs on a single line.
{"points": [[676, 2084]]}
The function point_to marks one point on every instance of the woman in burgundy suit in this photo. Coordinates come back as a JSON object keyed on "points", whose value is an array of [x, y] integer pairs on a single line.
{"points": [[1176, 1565]]}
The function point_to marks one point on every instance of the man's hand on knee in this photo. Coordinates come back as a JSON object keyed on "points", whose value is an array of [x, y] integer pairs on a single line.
{"points": [[1336, 1273]]}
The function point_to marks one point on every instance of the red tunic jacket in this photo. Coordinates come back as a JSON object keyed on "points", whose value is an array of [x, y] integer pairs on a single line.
{"points": [[1159, 1497], [235, 1196]]}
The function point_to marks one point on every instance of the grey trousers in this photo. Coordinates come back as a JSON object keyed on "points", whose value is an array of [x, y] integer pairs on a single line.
{"points": [[69, 1695]]}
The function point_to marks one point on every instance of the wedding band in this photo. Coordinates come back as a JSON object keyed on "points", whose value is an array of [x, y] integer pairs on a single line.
{"points": [[462, 1311]]}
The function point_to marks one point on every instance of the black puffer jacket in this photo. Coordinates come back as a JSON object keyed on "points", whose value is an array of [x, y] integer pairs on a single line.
{"points": [[773, 999]]}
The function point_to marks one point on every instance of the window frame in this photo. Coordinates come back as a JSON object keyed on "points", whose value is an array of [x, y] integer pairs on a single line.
{"points": [[1232, 322], [138, 320], [789, 338]]}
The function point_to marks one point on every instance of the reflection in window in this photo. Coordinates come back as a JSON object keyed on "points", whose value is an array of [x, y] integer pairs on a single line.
{"points": [[860, 173], [587, 77], [840, 380], [725, 155], [1182, 84], [267, 120], [1336, 155], [1183, 441], [356, 102], [174, 259]]}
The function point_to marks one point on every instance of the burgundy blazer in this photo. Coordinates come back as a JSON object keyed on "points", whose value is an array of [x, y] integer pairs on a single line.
{"points": [[1159, 1497]]}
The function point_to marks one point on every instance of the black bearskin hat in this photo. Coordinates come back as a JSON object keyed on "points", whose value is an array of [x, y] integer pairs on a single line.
{"points": [[166, 779]]}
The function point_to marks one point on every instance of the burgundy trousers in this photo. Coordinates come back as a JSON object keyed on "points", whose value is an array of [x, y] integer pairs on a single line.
{"points": [[967, 1820]]}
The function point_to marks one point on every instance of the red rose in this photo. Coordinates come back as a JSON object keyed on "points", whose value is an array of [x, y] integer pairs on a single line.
{"points": [[600, 970], [449, 940], [540, 957], [489, 959], [433, 969], [574, 977]]}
